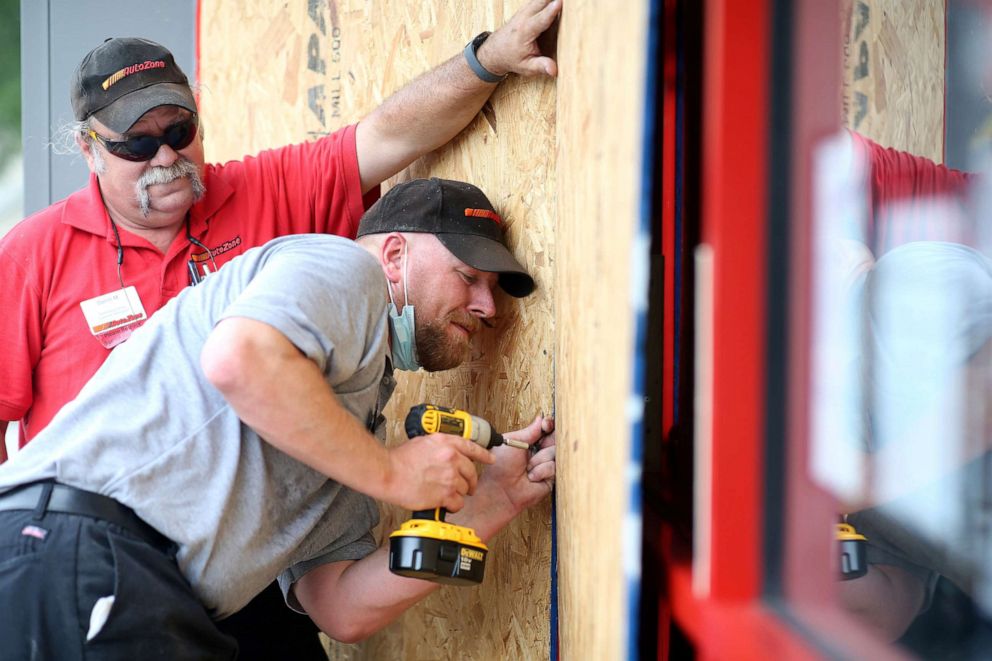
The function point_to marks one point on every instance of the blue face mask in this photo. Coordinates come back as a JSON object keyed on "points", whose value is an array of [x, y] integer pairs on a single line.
{"points": [[403, 329]]}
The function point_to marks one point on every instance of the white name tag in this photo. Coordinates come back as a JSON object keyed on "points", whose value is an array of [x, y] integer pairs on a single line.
{"points": [[113, 317]]}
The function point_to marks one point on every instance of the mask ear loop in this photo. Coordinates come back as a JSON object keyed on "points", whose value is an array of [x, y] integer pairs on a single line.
{"points": [[406, 280]]}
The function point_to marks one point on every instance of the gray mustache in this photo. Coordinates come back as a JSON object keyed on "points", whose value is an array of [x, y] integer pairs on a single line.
{"points": [[163, 175]]}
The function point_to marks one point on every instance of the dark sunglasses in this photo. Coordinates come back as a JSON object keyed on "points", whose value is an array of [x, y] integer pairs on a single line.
{"points": [[144, 147]]}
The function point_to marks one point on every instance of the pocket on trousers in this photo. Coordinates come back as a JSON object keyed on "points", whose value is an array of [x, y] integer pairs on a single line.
{"points": [[153, 614], [117, 615]]}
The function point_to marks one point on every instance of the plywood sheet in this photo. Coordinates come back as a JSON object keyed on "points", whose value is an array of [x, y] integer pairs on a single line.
{"points": [[561, 161], [275, 73], [600, 102], [894, 73]]}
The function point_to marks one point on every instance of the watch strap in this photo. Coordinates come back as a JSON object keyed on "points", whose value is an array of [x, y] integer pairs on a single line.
{"points": [[483, 73]]}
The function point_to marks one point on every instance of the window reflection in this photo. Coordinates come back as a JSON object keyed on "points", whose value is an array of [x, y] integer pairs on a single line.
{"points": [[903, 372], [901, 381]]}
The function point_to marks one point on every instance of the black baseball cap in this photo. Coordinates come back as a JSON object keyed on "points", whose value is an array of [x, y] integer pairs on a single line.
{"points": [[125, 77], [460, 216]]}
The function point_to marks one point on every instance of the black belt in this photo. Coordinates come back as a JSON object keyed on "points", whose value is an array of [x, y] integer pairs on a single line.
{"points": [[70, 500]]}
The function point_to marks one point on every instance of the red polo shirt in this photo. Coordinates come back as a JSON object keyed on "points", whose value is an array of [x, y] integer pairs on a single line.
{"points": [[67, 253], [913, 199]]}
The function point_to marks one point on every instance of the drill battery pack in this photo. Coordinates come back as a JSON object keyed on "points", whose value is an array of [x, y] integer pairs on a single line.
{"points": [[437, 551], [853, 552]]}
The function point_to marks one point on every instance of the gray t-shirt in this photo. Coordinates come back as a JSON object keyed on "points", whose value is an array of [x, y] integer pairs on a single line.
{"points": [[151, 432]]}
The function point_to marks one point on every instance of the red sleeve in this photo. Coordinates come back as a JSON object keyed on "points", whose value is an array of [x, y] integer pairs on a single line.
{"points": [[20, 331], [330, 167], [911, 198], [307, 187]]}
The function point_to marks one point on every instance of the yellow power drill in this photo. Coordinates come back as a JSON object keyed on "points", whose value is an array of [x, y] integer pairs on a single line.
{"points": [[426, 546]]}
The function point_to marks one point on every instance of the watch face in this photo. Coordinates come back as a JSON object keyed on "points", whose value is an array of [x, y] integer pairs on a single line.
{"points": [[481, 37]]}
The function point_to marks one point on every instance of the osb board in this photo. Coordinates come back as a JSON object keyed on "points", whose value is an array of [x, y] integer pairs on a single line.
{"points": [[894, 73], [274, 73], [602, 53]]}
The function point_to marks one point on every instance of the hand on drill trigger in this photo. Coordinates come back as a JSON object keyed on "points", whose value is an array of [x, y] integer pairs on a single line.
{"points": [[434, 471]]}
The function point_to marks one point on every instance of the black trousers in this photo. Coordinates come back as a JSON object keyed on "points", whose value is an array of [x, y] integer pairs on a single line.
{"points": [[56, 567], [81, 576], [268, 630]]}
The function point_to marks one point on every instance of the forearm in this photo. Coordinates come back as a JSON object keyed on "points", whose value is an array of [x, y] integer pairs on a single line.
{"points": [[425, 114], [281, 394], [886, 599], [435, 107], [487, 512], [352, 603]]}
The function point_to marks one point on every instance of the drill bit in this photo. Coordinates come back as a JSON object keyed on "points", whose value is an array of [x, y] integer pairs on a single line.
{"points": [[497, 439]]}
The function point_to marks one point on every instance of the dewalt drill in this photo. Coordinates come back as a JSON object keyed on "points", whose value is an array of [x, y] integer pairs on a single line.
{"points": [[853, 551], [426, 546]]}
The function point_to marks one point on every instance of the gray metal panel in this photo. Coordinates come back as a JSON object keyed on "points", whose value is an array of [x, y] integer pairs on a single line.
{"points": [[34, 103], [55, 35]]}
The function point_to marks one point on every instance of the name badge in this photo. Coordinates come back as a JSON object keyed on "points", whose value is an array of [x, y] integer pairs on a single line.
{"points": [[113, 317]]}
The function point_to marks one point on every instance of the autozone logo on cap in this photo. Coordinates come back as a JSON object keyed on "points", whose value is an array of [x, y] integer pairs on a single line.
{"points": [[134, 68]]}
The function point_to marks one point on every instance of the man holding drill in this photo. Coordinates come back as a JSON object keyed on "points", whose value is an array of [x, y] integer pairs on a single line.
{"points": [[226, 443]]}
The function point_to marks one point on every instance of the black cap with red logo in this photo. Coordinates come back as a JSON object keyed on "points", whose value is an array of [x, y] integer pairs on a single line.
{"points": [[123, 78], [460, 216]]}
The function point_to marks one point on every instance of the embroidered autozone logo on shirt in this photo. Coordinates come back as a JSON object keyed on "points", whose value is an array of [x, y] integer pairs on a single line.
{"points": [[218, 251]]}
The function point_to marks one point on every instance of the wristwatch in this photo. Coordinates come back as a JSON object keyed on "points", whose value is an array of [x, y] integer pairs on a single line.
{"points": [[483, 73]]}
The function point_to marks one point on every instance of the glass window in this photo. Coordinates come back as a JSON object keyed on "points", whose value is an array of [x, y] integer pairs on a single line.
{"points": [[901, 343]]}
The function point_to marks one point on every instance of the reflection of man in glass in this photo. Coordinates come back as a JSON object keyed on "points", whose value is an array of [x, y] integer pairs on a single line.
{"points": [[927, 364], [911, 198]]}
